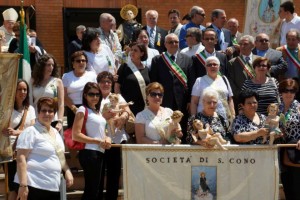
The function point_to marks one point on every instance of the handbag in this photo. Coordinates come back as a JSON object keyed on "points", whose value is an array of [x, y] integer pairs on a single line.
{"points": [[69, 142], [129, 125]]}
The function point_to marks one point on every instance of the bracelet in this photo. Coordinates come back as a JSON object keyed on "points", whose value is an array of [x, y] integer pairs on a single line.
{"points": [[23, 185]]}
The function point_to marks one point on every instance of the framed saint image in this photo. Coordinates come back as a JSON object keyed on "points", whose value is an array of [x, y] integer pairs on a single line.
{"points": [[204, 183]]}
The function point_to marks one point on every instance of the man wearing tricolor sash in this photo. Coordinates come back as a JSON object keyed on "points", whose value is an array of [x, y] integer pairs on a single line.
{"points": [[171, 70], [240, 68], [209, 39]]}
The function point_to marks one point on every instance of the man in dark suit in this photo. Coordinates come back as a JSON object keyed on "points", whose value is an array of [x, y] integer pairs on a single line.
{"points": [[209, 39], [176, 94], [218, 19], [156, 34], [262, 48], [240, 68]]}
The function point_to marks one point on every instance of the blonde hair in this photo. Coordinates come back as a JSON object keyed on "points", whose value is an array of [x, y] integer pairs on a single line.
{"points": [[113, 96], [176, 114]]}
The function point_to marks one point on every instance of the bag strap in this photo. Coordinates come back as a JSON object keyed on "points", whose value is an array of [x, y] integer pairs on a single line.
{"points": [[83, 130], [22, 121]]}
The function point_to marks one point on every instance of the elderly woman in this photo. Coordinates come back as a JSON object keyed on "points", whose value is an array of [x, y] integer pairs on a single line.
{"points": [[100, 57], [74, 81], [141, 36], [151, 124], [266, 87], [208, 116], [45, 82], [133, 77], [290, 173], [219, 83], [248, 127], [40, 157], [91, 157]]}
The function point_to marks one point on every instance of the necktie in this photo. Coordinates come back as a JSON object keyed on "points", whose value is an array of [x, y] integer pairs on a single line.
{"points": [[247, 58], [172, 57], [152, 37], [219, 37]]}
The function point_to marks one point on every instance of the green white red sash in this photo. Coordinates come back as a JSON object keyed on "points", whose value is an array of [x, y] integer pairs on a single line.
{"points": [[175, 69], [292, 57], [247, 68], [202, 58]]}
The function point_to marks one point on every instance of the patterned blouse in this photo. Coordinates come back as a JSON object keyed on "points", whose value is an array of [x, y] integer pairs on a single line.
{"points": [[292, 117], [242, 124], [217, 124]]}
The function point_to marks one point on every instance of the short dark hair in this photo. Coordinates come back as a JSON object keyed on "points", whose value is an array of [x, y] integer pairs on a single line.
{"points": [[77, 54], [187, 17], [51, 102], [88, 36], [215, 13], [142, 49], [209, 29], [247, 93], [174, 11], [105, 74], [258, 60], [136, 34], [288, 83], [288, 6], [87, 87]]}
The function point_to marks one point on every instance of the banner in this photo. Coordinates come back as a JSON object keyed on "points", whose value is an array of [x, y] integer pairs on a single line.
{"points": [[186, 172], [8, 83], [262, 17]]}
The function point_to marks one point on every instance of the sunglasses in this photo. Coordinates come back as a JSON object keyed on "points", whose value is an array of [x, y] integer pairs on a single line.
{"points": [[263, 40], [80, 61], [154, 94], [44, 111], [262, 65], [91, 94], [173, 42], [293, 91], [202, 14]]}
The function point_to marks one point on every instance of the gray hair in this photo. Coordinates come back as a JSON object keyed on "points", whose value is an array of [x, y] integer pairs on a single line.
{"points": [[209, 92], [234, 20], [248, 37], [196, 32], [212, 58], [293, 31], [169, 35], [80, 27], [149, 11], [195, 10], [215, 13], [104, 16]]}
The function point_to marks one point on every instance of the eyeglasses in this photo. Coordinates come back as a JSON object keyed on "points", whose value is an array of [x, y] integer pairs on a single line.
{"points": [[80, 61], [173, 42], [154, 94], [262, 65], [293, 91], [263, 40], [188, 35], [44, 111], [91, 94], [106, 81], [212, 65], [211, 102]]}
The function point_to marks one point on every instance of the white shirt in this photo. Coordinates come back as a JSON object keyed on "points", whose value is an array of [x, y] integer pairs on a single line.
{"points": [[151, 54], [190, 51], [75, 85], [286, 26]]}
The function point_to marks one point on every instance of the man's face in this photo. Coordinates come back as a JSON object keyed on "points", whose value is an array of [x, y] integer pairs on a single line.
{"points": [[107, 24], [151, 19], [282, 13], [209, 39], [190, 39], [220, 21], [8, 24], [291, 40], [245, 47], [233, 27], [262, 42], [172, 44], [199, 17], [174, 20]]}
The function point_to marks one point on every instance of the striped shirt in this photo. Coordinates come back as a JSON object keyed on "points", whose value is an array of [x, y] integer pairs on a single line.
{"points": [[268, 93]]}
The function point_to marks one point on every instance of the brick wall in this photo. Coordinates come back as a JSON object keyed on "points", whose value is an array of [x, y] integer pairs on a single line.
{"points": [[49, 19]]}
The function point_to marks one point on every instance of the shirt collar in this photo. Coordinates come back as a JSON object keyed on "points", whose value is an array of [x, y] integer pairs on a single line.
{"points": [[169, 54]]}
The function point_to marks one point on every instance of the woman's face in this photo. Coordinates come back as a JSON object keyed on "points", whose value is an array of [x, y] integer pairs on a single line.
{"points": [[209, 105], [250, 105], [155, 97], [95, 44], [262, 68], [143, 38], [105, 85], [92, 97], [212, 68], [46, 114], [135, 53], [21, 92], [79, 64], [49, 67], [288, 94]]}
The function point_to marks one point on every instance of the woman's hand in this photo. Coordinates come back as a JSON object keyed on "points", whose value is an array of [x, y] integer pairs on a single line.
{"points": [[10, 131], [106, 144], [108, 115], [23, 193], [262, 132], [178, 132], [58, 126], [69, 178]]}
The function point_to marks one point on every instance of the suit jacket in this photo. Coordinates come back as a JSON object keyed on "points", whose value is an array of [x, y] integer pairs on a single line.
{"points": [[176, 95], [227, 38], [198, 69], [159, 45], [278, 64]]}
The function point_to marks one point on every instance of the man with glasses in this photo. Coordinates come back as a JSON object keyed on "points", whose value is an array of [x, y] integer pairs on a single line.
{"points": [[171, 70], [262, 48], [193, 40], [197, 17]]}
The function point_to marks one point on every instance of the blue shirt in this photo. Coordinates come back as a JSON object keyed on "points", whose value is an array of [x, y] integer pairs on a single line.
{"points": [[182, 34]]}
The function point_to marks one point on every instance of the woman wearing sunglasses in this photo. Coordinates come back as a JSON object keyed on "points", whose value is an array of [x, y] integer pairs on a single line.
{"points": [[289, 107], [91, 157], [151, 124]]}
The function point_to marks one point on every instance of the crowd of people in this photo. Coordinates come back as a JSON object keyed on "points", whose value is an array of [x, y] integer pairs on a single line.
{"points": [[216, 77]]}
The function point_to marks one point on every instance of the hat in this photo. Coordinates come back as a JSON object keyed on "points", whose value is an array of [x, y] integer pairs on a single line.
{"points": [[125, 9], [10, 14]]}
